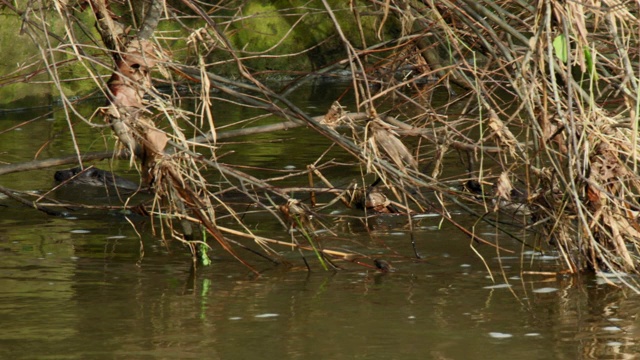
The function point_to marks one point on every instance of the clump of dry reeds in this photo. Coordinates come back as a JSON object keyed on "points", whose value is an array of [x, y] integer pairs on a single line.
{"points": [[553, 91], [545, 98]]}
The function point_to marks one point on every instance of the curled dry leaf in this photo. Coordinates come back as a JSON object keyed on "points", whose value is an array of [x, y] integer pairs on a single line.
{"points": [[383, 136], [593, 195], [606, 166], [372, 200], [124, 95], [156, 140], [502, 132], [141, 53], [335, 116], [132, 76], [607, 171], [295, 211], [503, 188]]}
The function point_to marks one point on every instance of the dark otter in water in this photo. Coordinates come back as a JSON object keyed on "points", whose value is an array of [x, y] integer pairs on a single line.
{"points": [[95, 177]]}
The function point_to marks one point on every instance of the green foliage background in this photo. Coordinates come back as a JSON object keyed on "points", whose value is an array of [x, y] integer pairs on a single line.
{"points": [[272, 37]]}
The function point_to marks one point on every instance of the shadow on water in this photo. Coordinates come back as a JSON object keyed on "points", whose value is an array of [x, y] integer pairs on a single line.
{"points": [[87, 286]]}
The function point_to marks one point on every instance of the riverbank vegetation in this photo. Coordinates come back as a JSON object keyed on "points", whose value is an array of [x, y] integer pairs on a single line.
{"points": [[542, 107]]}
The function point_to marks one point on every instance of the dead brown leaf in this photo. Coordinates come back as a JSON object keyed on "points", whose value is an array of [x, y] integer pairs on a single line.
{"points": [[384, 137]]}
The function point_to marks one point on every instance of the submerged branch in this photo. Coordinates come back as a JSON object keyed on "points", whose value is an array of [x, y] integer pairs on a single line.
{"points": [[47, 163], [13, 194]]}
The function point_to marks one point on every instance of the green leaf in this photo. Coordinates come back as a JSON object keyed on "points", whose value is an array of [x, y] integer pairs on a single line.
{"points": [[204, 257], [560, 46], [591, 65]]}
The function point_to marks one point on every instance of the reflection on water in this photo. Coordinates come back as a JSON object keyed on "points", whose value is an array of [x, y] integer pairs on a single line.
{"points": [[87, 287], [82, 296]]}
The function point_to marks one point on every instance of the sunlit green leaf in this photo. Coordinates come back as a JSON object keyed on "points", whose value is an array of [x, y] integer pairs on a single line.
{"points": [[560, 46], [591, 65]]}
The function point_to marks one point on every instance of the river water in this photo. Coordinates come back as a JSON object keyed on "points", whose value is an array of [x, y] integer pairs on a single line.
{"points": [[98, 284]]}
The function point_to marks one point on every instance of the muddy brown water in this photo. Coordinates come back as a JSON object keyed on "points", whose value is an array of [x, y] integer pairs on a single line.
{"points": [[86, 286]]}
